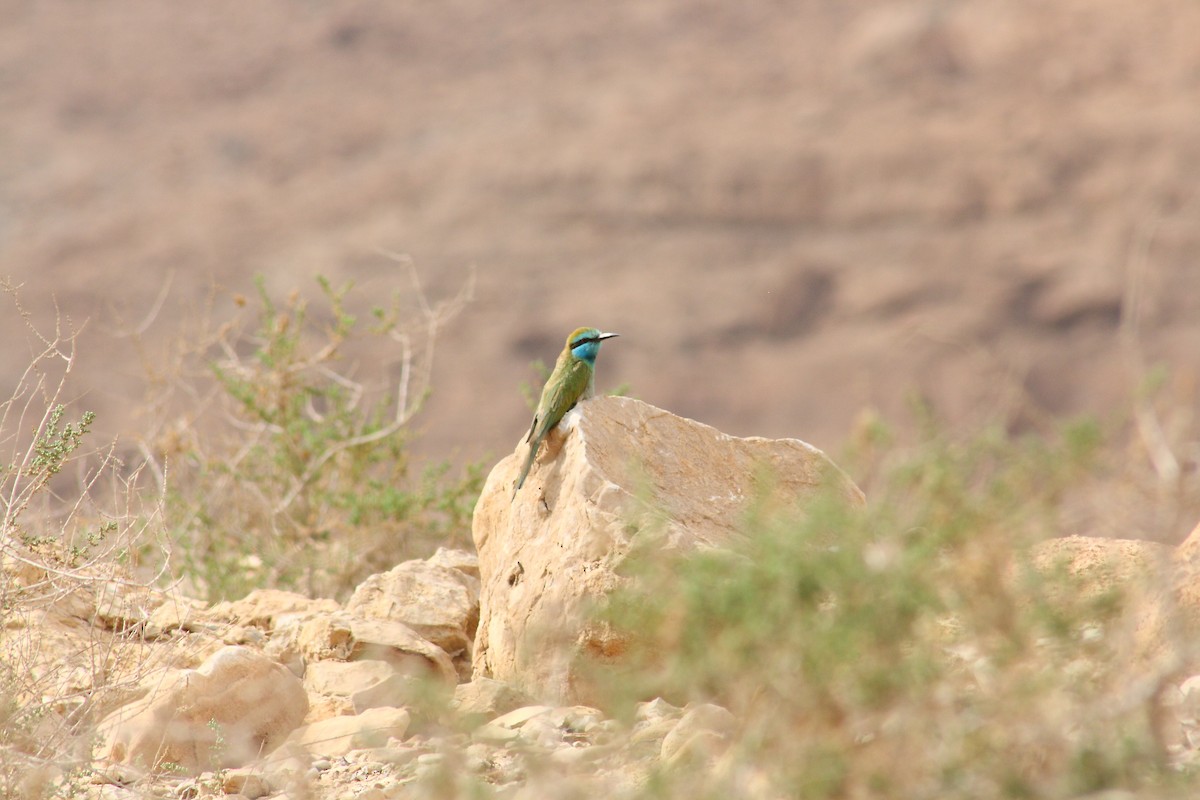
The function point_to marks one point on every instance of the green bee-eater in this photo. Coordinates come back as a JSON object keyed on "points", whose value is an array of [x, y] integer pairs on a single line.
{"points": [[572, 380]]}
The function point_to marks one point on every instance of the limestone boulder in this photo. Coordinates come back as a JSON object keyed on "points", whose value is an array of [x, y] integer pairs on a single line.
{"points": [[355, 686], [485, 698], [547, 554], [1149, 578], [345, 677], [343, 636], [1189, 548], [101, 595], [337, 736], [1185, 560], [1105, 565], [439, 602], [266, 608], [179, 614], [237, 706], [400, 646], [465, 562]]}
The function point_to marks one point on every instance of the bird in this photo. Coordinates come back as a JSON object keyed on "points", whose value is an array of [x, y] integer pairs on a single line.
{"points": [[572, 380]]}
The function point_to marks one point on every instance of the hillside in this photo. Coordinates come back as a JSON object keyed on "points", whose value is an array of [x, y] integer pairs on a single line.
{"points": [[791, 212]]}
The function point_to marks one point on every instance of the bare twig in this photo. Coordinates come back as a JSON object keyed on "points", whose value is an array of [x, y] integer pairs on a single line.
{"points": [[1166, 465], [433, 317]]}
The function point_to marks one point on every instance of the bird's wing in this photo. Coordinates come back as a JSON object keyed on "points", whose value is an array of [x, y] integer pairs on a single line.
{"points": [[560, 396]]}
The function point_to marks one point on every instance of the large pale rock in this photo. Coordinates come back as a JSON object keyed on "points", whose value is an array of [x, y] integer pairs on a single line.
{"points": [[546, 555], [1185, 561], [344, 678], [178, 614], [339, 735], [237, 706], [360, 685], [485, 698], [81, 643], [465, 562], [348, 637], [283, 614], [400, 646], [1104, 565], [102, 595], [439, 602], [1139, 572], [99, 593], [265, 608], [1160, 587]]}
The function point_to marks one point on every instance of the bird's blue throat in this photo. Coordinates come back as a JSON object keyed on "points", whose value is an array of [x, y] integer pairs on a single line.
{"points": [[586, 350]]}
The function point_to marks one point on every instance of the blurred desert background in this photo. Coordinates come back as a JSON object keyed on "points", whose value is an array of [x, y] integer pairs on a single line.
{"points": [[792, 212]]}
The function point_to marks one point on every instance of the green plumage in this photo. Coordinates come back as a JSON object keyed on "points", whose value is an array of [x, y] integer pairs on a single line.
{"points": [[572, 380]]}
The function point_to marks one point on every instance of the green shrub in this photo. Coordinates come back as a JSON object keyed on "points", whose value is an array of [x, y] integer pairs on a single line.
{"points": [[300, 476], [904, 650]]}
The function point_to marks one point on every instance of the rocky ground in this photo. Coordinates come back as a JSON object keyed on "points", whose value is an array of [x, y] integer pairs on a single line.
{"points": [[336, 713], [395, 693]]}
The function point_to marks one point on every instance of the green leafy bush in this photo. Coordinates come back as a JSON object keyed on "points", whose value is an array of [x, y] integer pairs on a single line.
{"points": [[905, 650], [298, 475]]}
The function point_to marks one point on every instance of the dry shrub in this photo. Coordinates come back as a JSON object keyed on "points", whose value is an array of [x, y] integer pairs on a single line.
{"points": [[282, 466], [71, 518], [910, 650]]}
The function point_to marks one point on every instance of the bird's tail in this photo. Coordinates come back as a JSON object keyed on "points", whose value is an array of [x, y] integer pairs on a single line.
{"points": [[533, 449]]}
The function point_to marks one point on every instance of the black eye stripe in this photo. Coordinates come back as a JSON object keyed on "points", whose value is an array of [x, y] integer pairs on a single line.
{"points": [[588, 340]]}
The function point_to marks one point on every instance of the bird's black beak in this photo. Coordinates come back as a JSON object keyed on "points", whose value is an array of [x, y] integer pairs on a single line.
{"points": [[607, 336]]}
